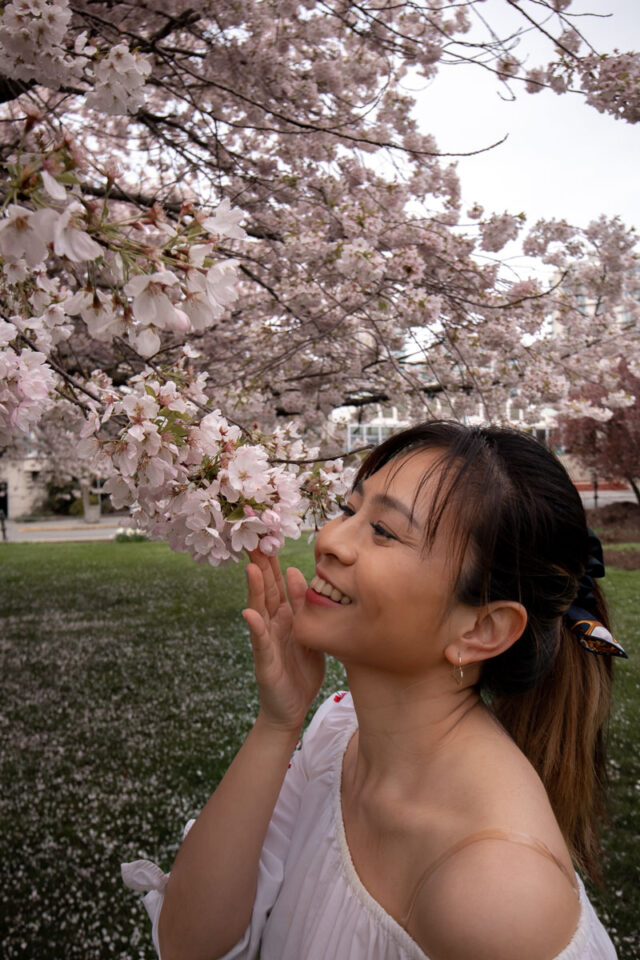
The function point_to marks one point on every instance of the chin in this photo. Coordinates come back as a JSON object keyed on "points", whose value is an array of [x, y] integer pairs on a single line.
{"points": [[311, 631], [306, 631]]}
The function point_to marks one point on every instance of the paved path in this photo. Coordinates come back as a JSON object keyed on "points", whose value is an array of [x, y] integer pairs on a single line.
{"points": [[65, 529], [607, 496]]}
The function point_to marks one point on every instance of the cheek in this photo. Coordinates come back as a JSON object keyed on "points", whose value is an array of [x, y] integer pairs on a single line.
{"points": [[393, 600], [410, 605]]}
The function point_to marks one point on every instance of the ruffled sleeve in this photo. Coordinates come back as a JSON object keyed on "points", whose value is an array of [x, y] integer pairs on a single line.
{"points": [[143, 875]]}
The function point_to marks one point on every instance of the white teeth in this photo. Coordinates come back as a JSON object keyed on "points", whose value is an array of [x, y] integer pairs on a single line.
{"points": [[321, 586]]}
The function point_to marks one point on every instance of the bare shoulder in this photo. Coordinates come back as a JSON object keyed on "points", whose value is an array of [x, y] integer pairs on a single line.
{"points": [[495, 900]]}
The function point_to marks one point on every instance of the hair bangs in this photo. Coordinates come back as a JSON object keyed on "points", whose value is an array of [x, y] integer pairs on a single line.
{"points": [[465, 492]]}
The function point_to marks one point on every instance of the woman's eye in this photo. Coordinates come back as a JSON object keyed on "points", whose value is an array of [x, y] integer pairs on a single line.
{"points": [[381, 532], [377, 528]]}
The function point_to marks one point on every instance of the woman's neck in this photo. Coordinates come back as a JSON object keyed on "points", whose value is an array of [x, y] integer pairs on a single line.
{"points": [[405, 726]]}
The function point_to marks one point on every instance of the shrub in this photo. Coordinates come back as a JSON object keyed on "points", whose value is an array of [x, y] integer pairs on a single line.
{"points": [[129, 535]]}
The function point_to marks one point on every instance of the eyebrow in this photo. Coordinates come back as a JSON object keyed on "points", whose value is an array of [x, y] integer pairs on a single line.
{"points": [[386, 500]]}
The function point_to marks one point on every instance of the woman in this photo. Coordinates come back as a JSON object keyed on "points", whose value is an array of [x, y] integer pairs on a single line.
{"points": [[438, 809]]}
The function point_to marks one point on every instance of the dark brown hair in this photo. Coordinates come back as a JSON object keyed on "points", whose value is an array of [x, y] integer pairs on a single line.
{"points": [[520, 526]]}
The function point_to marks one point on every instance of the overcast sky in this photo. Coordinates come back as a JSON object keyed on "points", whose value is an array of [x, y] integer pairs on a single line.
{"points": [[562, 158]]}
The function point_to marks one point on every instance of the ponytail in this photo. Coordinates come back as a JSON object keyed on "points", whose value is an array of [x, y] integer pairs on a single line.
{"points": [[561, 727]]}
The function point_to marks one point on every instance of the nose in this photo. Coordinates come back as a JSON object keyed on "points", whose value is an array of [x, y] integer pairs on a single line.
{"points": [[337, 539]]}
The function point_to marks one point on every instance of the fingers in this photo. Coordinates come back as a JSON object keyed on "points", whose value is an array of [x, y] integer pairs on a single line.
{"points": [[257, 629], [273, 588], [278, 579], [261, 644], [297, 587], [256, 599]]}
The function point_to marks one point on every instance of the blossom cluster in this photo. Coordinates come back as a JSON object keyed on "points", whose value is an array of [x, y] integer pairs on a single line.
{"points": [[25, 383], [498, 230], [49, 255], [207, 486], [32, 35], [610, 82], [120, 79], [26, 236], [203, 484], [34, 46]]}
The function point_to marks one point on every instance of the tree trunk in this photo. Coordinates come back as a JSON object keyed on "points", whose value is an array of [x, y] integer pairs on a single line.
{"points": [[91, 511], [634, 486]]}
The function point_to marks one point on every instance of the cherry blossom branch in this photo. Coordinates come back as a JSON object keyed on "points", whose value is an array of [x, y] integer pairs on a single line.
{"points": [[75, 384], [541, 29]]}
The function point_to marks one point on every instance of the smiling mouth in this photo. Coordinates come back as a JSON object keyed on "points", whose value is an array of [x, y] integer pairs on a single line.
{"points": [[328, 590]]}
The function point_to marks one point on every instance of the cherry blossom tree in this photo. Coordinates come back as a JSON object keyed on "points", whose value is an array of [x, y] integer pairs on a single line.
{"points": [[221, 222], [609, 445]]}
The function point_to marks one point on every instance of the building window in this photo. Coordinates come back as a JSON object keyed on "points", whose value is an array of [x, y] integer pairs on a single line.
{"points": [[361, 434]]}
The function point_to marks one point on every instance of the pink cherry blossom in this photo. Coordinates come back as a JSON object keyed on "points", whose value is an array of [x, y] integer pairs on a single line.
{"points": [[151, 303], [120, 78], [498, 230], [18, 237], [99, 313], [146, 341], [213, 430], [201, 308], [25, 386], [245, 534], [246, 472], [226, 221], [7, 332], [69, 240], [55, 190], [121, 490]]}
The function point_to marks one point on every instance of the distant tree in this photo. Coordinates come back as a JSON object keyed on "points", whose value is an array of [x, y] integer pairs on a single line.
{"points": [[610, 446]]}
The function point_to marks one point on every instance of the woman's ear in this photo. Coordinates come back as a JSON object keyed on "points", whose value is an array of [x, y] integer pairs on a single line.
{"points": [[496, 627]]}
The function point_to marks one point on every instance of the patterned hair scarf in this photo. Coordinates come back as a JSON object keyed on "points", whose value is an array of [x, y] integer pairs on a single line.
{"points": [[592, 634]]}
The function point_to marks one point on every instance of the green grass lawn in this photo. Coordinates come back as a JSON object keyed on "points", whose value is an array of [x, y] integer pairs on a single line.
{"points": [[125, 689]]}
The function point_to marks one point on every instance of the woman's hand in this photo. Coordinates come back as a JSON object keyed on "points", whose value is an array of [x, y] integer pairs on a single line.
{"points": [[288, 674], [212, 887]]}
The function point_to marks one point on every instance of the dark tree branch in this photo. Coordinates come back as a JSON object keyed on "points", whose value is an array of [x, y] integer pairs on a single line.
{"points": [[12, 89]]}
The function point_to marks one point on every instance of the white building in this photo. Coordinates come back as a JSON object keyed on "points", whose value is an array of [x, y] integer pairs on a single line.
{"points": [[24, 490]]}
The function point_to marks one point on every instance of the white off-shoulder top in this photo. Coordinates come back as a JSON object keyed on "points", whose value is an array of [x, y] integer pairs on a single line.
{"points": [[310, 903]]}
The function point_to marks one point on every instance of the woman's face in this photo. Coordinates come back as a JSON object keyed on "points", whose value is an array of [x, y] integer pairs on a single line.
{"points": [[399, 614]]}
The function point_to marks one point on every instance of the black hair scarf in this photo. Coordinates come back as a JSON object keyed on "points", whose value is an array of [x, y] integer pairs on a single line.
{"points": [[592, 634]]}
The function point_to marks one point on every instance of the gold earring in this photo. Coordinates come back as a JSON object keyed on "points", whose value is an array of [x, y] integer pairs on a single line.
{"points": [[458, 672]]}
